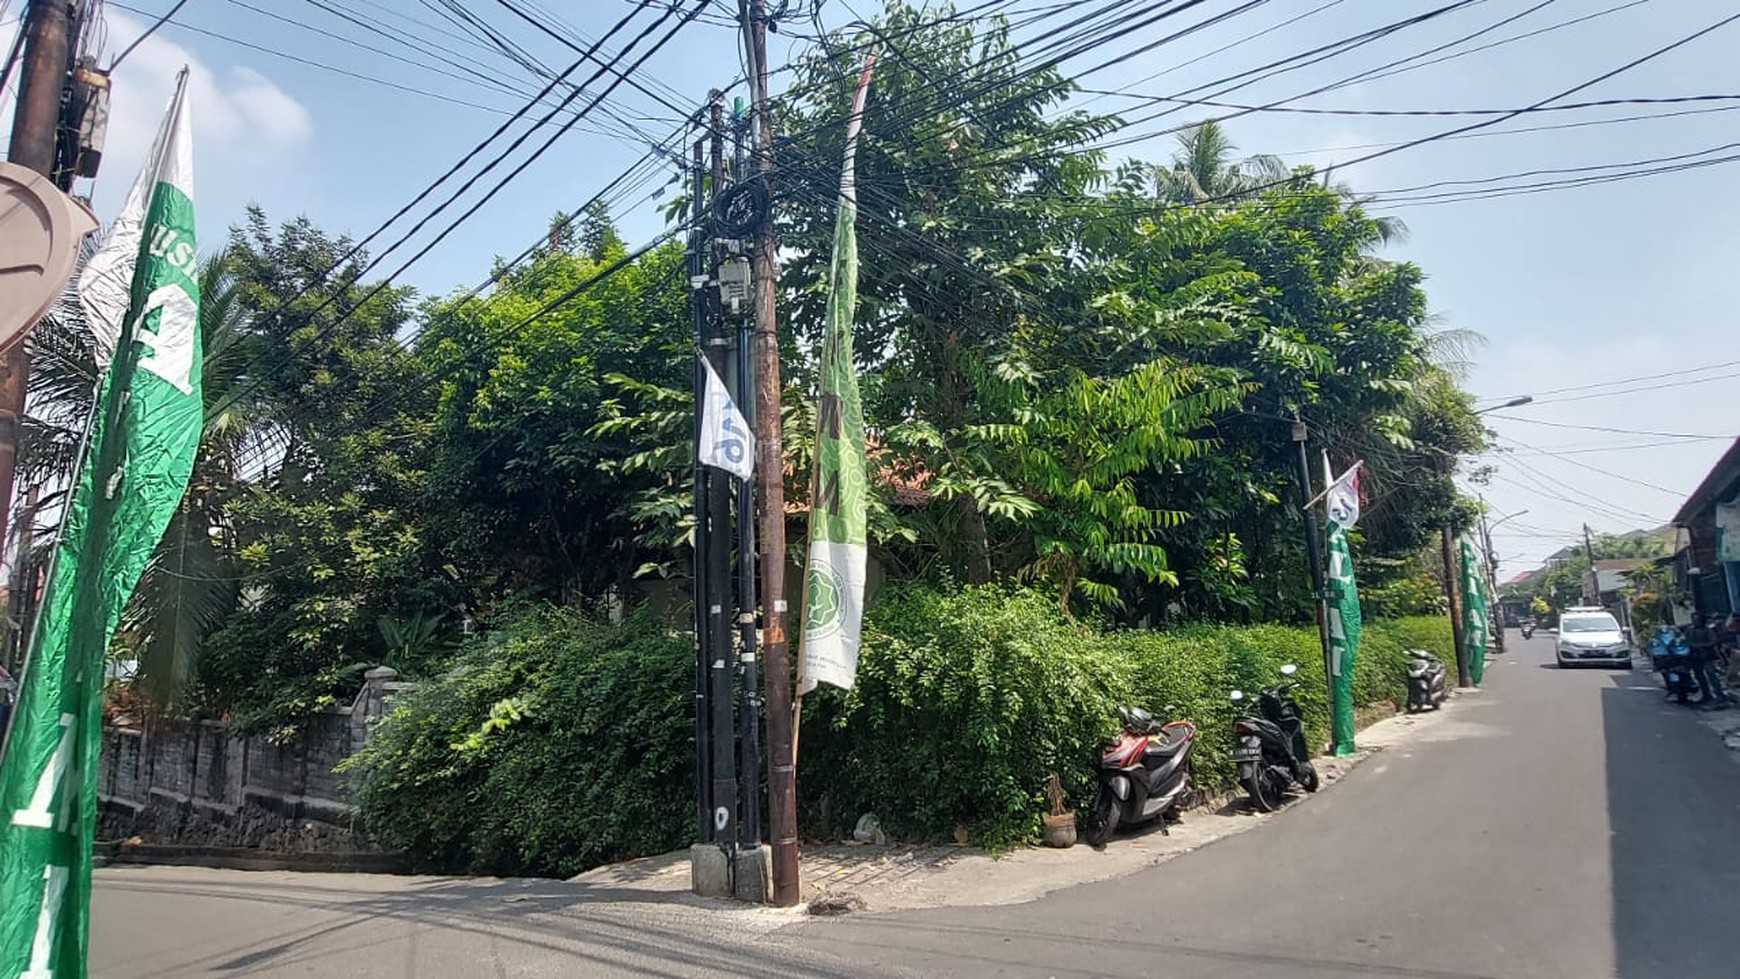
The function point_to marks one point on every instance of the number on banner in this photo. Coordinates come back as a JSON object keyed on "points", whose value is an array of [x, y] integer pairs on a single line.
{"points": [[40, 814], [42, 949]]}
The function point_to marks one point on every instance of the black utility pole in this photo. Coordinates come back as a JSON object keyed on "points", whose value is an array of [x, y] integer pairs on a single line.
{"points": [[1591, 593], [36, 132], [749, 692], [1314, 548], [697, 267], [721, 610], [770, 478]]}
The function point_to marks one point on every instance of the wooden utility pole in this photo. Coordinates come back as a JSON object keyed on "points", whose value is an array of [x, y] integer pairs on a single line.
{"points": [[35, 141], [1453, 591], [770, 480]]}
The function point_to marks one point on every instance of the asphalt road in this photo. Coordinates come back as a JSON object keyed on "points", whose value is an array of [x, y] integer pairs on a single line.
{"points": [[1558, 824], [1562, 825]]}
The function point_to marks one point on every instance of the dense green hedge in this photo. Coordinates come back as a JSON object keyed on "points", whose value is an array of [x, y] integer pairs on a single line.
{"points": [[557, 743], [560, 741], [968, 701]]}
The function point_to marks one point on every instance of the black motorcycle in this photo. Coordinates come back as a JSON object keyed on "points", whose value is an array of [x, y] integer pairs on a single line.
{"points": [[1144, 774], [1271, 753], [1426, 681]]}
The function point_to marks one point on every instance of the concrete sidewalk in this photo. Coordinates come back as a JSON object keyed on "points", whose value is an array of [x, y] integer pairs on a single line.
{"points": [[898, 878]]}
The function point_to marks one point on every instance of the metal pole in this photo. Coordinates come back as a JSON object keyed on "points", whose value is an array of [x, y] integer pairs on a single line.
{"points": [[721, 613], [698, 587], [35, 138], [1453, 591], [770, 475], [1314, 548]]}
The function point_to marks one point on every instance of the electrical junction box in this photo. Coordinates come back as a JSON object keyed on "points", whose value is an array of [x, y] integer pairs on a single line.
{"points": [[734, 285]]}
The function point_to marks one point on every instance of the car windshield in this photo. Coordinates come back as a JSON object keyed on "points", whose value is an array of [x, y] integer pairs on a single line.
{"points": [[1591, 623]]}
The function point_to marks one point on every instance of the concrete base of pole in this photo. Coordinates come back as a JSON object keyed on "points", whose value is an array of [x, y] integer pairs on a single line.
{"points": [[746, 875], [709, 871], [753, 881]]}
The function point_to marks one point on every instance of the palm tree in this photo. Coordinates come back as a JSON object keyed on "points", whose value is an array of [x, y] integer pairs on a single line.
{"points": [[1203, 169], [190, 584]]}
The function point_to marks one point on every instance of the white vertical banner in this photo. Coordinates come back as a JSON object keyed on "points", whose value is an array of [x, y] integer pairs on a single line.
{"points": [[726, 441]]}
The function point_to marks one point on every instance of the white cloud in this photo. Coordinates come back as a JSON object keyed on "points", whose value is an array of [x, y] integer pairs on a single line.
{"points": [[246, 129]]}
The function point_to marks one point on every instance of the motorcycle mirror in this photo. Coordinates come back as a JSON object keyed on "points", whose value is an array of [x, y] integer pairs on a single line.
{"points": [[1238, 695], [1289, 670]]}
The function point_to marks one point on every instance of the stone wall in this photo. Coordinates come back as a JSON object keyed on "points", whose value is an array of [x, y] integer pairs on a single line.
{"points": [[186, 781]]}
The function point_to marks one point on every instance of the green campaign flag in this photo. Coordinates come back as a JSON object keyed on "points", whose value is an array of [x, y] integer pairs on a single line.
{"points": [[1342, 502], [137, 459], [839, 490], [1474, 620]]}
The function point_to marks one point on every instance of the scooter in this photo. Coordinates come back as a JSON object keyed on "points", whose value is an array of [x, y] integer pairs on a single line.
{"points": [[1528, 630], [1271, 754], [1144, 774], [1426, 681], [1671, 658]]}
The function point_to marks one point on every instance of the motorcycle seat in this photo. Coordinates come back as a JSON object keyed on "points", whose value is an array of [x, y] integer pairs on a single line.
{"points": [[1168, 742]]}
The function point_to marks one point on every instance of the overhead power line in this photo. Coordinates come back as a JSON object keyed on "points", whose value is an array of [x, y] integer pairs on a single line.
{"points": [[1603, 428]]}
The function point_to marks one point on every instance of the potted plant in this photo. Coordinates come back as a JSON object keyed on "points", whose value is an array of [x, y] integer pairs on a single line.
{"points": [[1060, 822]]}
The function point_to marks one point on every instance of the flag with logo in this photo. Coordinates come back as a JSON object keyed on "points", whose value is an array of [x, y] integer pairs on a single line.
{"points": [[726, 441], [1474, 621], [839, 516], [137, 459], [1342, 503]]}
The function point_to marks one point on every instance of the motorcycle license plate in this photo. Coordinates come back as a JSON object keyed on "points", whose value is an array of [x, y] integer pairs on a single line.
{"points": [[1246, 754]]}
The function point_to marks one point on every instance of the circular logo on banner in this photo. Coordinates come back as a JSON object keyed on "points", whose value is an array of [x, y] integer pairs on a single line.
{"points": [[826, 597]]}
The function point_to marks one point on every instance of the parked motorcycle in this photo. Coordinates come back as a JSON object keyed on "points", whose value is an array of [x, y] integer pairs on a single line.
{"points": [[1271, 753], [1144, 774], [1671, 658], [1426, 681]]}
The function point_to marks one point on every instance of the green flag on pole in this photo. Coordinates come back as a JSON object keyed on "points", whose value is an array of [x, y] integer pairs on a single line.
{"points": [[1474, 621], [137, 460], [839, 491], [1342, 502]]}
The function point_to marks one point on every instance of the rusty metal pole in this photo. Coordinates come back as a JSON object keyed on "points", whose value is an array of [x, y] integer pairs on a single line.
{"points": [[35, 139], [770, 480]]}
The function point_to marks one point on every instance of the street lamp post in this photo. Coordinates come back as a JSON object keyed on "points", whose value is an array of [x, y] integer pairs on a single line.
{"points": [[1515, 402], [1492, 567]]}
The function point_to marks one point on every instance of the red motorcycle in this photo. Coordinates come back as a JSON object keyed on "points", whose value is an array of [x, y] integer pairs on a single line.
{"points": [[1144, 775]]}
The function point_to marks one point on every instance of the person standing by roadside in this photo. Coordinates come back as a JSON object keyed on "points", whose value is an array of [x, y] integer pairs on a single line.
{"points": [[1702, 638]]}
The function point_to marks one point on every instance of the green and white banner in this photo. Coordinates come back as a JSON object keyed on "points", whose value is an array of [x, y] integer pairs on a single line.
{"points": [[839, 492], [137, 460], [1342, 503], [1474, 617]]}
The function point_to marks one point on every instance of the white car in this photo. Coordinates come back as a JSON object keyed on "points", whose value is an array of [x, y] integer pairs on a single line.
{"points": [[1592, 635]]}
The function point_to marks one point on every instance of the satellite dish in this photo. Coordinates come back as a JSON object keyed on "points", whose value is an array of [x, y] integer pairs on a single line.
{"points": [[41, 229]]}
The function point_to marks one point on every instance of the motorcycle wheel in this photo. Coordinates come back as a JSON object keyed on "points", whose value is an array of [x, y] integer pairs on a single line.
{"points": [[1257, 787], [1102, 819], [1309, 783]]}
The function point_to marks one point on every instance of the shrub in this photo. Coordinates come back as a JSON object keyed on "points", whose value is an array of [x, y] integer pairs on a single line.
{"points": [[561, 741], [967, 701], [557, 743]]}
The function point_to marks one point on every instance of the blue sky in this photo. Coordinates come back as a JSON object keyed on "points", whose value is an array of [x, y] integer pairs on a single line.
{"points": [[1569, 288]]}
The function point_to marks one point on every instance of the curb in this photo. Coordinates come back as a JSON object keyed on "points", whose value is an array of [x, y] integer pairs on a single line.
{"points": [[112, 854]]}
